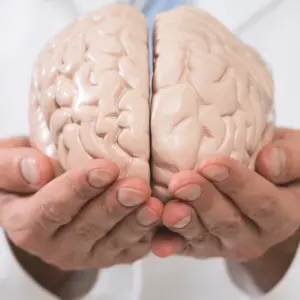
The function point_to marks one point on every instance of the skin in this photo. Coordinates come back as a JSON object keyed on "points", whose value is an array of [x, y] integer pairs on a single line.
{"points": [[94, 221], [210, 216], [249, 218]]}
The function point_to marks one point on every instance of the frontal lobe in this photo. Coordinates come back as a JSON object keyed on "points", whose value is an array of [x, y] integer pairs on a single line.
{"points": [[90, 90], [212, 94]]}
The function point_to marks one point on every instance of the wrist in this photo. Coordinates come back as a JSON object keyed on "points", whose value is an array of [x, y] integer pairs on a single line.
{"points": [[47, 276], [267, 270]]}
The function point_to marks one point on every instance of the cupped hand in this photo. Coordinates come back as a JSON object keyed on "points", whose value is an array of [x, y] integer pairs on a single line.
{"points": [[86, 218], [227, 210]]}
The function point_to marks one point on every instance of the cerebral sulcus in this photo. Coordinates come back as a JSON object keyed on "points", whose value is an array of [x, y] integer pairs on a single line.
{"points": [[90, 94]]}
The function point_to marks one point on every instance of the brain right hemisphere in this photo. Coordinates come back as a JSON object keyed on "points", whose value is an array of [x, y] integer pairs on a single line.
{"points": [[90, 94], [212, 94]]}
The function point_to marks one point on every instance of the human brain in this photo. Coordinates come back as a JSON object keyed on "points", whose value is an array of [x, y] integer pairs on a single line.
{"points": [[91, 95]]}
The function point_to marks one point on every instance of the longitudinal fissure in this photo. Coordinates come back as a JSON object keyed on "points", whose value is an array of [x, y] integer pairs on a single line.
{"points": [[93, 95]]}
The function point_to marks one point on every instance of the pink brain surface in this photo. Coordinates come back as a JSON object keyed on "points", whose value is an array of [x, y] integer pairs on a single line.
{"points": [[90, 95], [212, 94], [90, 91]]}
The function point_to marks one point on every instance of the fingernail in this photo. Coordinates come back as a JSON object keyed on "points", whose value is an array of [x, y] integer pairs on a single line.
{"points": [[183, 222], [190, 192], [146, 217], [98, 178], [278, 162], [30, 170], [215, 173], [130, 197]]}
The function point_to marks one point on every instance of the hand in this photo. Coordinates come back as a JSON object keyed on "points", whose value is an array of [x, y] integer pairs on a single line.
{"points": [[226, 210], [85, 218]]}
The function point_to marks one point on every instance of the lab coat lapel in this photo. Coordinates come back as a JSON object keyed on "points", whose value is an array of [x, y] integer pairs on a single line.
{"points": [[234, 13]]}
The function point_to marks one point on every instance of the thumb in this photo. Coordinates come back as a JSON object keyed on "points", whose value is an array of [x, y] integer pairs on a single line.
{"points": [[279, 161], [23, 170]]}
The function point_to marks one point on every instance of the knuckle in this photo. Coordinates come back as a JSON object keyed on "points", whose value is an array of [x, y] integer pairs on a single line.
{"points": [[230, 227], [241, 184], [51, 214], [191, 232], [188, 250], [114, 243], [90, 231], [78, 188], [200, 239], [110, 207], [265, 210], [146, 239], [134, 232]]}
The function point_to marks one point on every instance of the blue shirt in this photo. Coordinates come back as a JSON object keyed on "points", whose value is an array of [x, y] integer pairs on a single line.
{"points": [[154, 7]]}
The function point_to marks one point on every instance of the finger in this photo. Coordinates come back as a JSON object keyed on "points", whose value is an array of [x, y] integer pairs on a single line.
{"points": [[219, 216], [100, 216], [134, 227], [131, 255], [279, 161], [181, 218], [126, 256], [167, 243], [188, 237], [15, 142], [284, 133], [23, 170], [131, 230], [256, 197], [58, 202]]}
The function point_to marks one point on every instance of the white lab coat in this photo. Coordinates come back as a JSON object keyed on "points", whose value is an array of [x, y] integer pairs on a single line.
{"points": [[272, 26]]}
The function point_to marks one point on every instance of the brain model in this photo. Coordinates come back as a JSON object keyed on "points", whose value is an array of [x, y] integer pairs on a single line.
{"points": [[91, 90]]}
